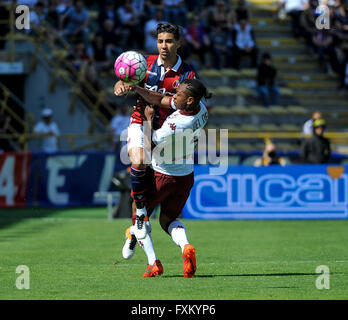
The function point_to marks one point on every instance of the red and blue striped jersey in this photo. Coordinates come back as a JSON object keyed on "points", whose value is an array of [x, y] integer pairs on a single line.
{"points": [[157, 79]]}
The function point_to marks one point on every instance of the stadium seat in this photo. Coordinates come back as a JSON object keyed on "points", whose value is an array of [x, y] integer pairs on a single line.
{"points": [[274, 42], [290, 128], [298, 110], [221, 110], [312, 85], [261, 2], [244, 91], [278, 110], [259, 146], [249, 127], [244, 146], [286, 92], [283, 146], [258, 109], [269, 127], [225, 91], [233, 128], [251, 73], [230, 73], [210, 73], [240, 110]]}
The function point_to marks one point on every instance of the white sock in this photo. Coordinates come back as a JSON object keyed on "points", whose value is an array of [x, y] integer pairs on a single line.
{"points": [[147, 245], [178, 233], [147, 224], [141, 211]]}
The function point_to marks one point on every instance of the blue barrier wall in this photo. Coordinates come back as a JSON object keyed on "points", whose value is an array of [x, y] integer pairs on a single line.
{"points": [[242, 192], [275, 192], [70, 179], [61, 179]]}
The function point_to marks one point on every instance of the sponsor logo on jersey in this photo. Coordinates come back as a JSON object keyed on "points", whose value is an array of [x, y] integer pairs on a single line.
{"points": [[160, 90]]}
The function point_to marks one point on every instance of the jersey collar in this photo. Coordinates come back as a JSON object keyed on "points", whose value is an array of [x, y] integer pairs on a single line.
{"points": [[190, 113], [175, 68]]}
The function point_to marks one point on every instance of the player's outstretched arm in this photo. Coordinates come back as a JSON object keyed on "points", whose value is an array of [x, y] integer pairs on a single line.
{"points": [[149, 114], [121, 88], [153, 97]]}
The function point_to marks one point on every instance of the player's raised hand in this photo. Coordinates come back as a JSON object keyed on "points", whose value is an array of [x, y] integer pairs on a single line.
{"points": [[149, 112], [121, 88]]}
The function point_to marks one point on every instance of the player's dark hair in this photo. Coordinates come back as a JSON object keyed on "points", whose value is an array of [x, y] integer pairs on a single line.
{"points": [[197, 89], [169, 28]]}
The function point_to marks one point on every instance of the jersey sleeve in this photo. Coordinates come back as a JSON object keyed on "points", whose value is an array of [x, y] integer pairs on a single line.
{"points": [[160, 134], [172, 104]]}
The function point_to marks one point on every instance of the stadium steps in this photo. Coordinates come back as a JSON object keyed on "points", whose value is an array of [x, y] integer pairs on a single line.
{"points": [[312, 85], [305, 77], [299, 75], [262, 10], [276, 42], [234, 115], [262, 3], [264, 21], [299, 66], [313, 88], [292, 59]]}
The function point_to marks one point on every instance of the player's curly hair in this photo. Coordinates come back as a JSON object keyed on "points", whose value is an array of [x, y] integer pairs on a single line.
{"points": [[197, 89], [169, 28]]}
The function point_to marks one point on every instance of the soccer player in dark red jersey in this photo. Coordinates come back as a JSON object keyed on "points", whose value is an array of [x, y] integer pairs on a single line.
{"points": [[170, 182], [165, 72]]}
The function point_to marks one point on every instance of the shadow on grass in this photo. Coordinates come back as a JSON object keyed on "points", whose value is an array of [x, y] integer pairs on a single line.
{"points": [[245, 275], [11, 216]]}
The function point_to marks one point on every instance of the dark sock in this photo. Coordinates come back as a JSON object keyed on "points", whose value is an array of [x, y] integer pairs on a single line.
{"points": [[138, 183]]}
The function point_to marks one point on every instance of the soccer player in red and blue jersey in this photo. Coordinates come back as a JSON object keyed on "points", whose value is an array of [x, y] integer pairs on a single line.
{"points": [[165, 72]]}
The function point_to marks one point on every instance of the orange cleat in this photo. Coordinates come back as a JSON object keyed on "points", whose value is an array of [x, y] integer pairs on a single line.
{"points": [[155, 270], [189, 261]]}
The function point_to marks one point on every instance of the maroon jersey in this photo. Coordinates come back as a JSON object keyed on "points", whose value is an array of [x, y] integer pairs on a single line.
{"points": [[157, 79]]}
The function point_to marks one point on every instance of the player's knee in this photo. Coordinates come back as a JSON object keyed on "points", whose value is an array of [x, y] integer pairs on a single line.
{"points": [[165, 222], [137, 158]]}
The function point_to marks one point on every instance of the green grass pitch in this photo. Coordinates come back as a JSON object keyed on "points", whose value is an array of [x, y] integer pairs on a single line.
{"points": [[71, 254]]}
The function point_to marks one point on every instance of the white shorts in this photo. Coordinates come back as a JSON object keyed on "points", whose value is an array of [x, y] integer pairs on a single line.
{"points": [[135, 137]]}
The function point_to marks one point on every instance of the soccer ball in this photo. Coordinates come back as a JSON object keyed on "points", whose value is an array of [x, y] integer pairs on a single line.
{"points": [[130, 67]]}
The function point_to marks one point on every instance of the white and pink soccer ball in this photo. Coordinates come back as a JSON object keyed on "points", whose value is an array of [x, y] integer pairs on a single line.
{"points": [[130, 67]]}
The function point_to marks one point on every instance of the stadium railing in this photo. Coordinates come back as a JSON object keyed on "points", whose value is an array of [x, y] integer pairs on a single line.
{"points": [[19, 124], [99, 141], [95, 141], [61, 68]]}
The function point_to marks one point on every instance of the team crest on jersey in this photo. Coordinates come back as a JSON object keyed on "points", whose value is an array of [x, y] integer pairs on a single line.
{"points": [[176, 84], [172, 126]]}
